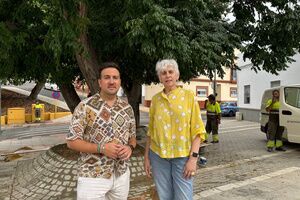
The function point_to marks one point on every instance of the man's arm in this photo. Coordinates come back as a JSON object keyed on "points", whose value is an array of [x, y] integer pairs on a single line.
{"points": [[269, 105], [126, 150], [132, 141], [108, 149], [82, 146]]}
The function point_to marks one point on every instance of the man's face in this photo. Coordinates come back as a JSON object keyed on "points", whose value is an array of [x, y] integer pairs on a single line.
{"points": [[109, 81], [276, 94]]}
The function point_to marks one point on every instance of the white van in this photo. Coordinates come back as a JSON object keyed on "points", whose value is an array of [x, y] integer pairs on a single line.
{"points": [[289, 112]]}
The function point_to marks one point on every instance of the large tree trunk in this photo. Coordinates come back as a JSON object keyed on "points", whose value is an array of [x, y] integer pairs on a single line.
{"points": [[36, 90], [134, 94], [87, 60], [70, 95]]}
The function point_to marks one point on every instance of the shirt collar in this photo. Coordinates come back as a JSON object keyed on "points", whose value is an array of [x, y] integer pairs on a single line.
{"points": [[117, 102], [173, 92]]}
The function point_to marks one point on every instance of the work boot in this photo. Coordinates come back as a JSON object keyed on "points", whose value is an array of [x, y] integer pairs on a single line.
{"points": [[279, 149], [270, 149]]}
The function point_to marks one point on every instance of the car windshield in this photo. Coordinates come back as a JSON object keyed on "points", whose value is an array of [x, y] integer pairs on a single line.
{"points": [[224, 104]]}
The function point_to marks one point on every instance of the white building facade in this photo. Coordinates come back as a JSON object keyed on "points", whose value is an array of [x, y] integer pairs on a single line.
{"points": [[251, 85]]}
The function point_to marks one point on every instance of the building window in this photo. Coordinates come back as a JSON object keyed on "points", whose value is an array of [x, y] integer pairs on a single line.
{"points": [[233, 75], [247, 94], [201, 91], [275, 84], [233, 92]]}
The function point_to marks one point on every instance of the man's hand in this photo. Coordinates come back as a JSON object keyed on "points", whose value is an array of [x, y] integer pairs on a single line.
{"points": [[111, 150], [124, 152]]}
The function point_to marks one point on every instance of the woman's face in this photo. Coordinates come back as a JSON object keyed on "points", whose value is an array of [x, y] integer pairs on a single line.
{"points": [[168, 77]]}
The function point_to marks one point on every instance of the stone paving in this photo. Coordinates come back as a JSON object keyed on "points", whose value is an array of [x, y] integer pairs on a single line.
{"points": [[240, 156], [51, 176]]}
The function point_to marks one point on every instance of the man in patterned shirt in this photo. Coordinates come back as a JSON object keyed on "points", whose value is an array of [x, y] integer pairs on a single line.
{"points": [[103, 131]]}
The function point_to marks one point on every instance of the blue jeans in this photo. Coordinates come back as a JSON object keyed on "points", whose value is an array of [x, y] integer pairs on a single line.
{"points": [[168, 177]]}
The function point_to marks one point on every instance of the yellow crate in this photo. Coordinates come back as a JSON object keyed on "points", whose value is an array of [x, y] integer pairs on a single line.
{"points": [[15, 115]]}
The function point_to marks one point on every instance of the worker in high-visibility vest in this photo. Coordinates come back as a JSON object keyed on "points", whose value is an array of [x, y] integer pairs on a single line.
{"points": [[213, 114], [274, 130], [37, 111]]}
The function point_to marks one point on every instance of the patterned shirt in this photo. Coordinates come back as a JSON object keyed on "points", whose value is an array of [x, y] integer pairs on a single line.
{"points": [[96, 122], [175, 120]]}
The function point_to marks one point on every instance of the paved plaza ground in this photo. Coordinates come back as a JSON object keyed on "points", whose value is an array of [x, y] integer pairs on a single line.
{"points": [[238, 167]]}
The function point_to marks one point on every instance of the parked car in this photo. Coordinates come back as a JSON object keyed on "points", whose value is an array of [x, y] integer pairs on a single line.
{"points": [[51, 86], [229, 108]]}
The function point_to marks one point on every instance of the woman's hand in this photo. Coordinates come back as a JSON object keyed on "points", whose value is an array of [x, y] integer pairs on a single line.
{"points": [[147, 166], [190, 168]]}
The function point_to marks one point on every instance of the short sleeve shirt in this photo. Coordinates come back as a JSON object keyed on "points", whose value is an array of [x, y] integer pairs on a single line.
{"points": [[275, 105], [215, 108], [175, 120], [96, 122]]}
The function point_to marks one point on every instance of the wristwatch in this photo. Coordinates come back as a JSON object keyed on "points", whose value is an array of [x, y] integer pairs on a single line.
{"points": [[194, 154]]}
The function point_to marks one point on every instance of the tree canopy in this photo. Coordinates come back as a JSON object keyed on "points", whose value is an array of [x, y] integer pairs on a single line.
{"points": [[269, 32], [66, 38]]}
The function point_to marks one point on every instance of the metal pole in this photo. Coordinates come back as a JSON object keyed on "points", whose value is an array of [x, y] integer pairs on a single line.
{"points": [[215, 82]]}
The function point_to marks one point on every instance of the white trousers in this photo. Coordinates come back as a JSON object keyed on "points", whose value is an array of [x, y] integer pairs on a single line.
{"points": [[115, 188]]}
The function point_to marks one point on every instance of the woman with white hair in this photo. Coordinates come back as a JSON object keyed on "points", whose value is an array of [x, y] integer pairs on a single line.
{"points": [[174, 135]]}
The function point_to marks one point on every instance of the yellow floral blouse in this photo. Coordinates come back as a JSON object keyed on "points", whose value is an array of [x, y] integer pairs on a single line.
{"points": [[175, 120]]}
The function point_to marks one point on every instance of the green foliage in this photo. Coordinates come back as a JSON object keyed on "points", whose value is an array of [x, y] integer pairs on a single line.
{"points": [[40, 37], [35, 45], [270, 32], [138, 33]]}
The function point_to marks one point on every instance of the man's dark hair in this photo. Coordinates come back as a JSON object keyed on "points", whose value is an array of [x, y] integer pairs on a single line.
{"points": [[212, 97], [108, 65]]}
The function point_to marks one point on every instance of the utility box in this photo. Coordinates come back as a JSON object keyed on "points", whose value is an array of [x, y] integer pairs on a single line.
{"points": [[15, 115], [3, 120], [42, 112], [239, 116]]}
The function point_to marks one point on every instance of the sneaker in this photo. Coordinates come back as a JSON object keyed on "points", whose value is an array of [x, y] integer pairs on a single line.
{"points": [[270, 149], [202, 161], [279, 149]]}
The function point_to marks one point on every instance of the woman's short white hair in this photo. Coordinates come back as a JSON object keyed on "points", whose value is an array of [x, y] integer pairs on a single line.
{"points": [[163, 64]]}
